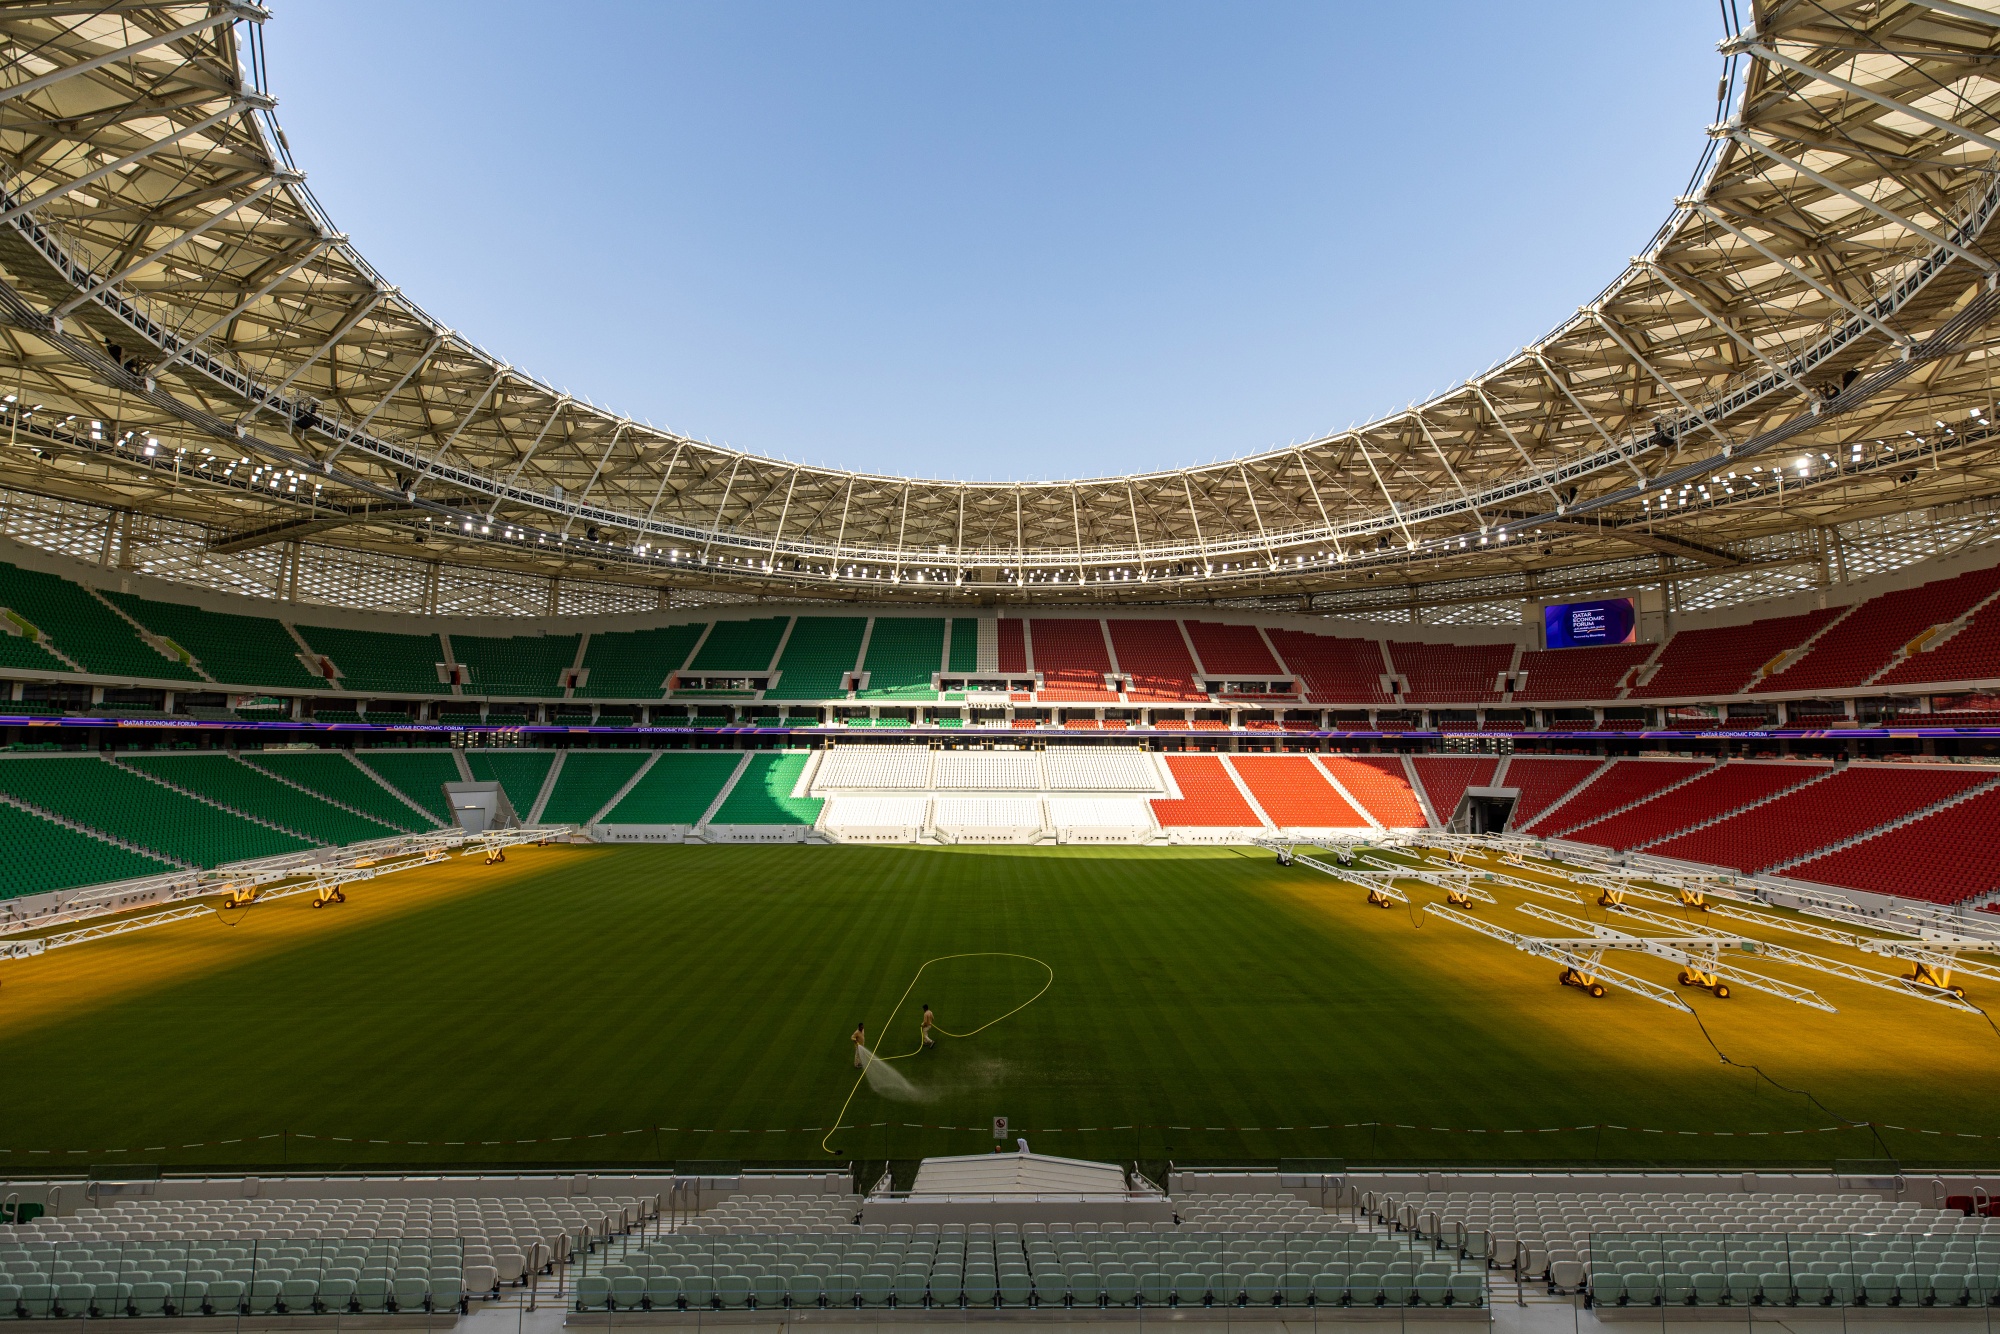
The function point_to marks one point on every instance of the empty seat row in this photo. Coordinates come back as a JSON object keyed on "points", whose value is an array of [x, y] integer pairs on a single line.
{"points": [[1080, 1288]]}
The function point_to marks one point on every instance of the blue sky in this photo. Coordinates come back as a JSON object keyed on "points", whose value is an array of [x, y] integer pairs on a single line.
{"points": [[987, 241]]}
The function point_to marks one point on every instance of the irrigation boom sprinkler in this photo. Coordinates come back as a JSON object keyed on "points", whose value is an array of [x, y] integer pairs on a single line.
{"points": [[1513, 882], [1582, 959], [1933, 955], [1458, 889], [1382, 892], [1914, 987], [1698, 950], [325, 883]]}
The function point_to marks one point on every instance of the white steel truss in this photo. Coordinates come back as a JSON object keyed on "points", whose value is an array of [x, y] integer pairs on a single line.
{"points": [[1827, 279]]}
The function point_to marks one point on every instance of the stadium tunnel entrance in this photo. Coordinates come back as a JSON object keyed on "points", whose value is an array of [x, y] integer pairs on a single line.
{"points": [[1484, 810]]}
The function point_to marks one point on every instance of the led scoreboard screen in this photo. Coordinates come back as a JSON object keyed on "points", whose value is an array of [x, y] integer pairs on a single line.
{"points": [[1578, 624]]}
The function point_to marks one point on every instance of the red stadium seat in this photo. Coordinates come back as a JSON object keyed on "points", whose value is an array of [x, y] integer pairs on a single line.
{"points": [[1378, 783], [1209, 797], [1851, 802], [1945, 857]]}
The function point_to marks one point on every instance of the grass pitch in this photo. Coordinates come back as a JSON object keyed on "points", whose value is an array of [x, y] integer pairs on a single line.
{"points": [[641, 1004]]}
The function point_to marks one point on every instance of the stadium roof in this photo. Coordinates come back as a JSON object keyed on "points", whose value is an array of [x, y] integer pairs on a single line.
{"points": [[1803, 344]]}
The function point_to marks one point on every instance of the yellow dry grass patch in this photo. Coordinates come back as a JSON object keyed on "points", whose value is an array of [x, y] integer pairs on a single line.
{"points": [[100, 974], [1872, 1034]]}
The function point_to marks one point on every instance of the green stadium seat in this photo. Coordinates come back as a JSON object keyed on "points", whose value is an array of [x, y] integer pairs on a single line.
{"points": [[336, 777], [236, 650], [635, 664], [377, 660], [418, 775], [589, 778], [83, 628], [912, 1287], [246, 788], [61, 857], [678, 789], [818, 656], [27, 654], [531, 665], [964, 645], [904, 653], [628, 1293], [132, 808], [740, 646], [520, 773], [764, 794]]}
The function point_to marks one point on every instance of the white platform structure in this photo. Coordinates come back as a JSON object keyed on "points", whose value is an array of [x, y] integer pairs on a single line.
{"points": [[1019, 1187]]}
